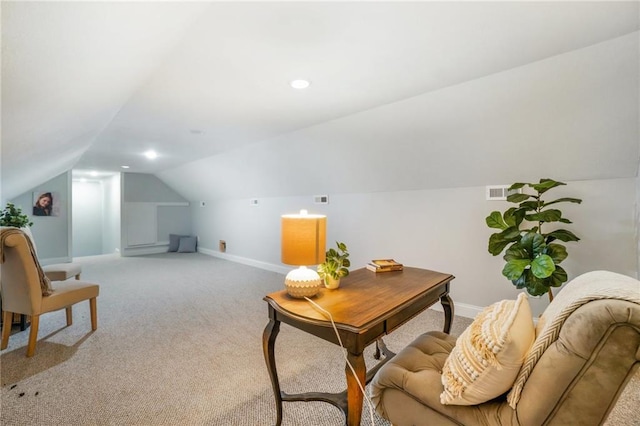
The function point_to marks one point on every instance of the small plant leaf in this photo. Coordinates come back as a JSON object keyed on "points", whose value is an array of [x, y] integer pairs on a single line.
{"points": [[536, 286], [514, 268], [558, 277], [542, 266], [514, 216], [498, 241], [518, 198], [564, 200], [515, 252], [533, 243], [563, 235], [494, 220], [558, 252], [551, 215], [545, 185]]}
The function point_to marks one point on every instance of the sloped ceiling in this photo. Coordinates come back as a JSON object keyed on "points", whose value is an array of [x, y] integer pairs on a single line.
{"points": [[93, 85]]}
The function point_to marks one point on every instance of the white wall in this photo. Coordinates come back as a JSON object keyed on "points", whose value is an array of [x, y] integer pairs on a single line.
{"points": [[87, 218], [52, 234], [151, 210], [443, 230], [96, 216], [111, 215]]}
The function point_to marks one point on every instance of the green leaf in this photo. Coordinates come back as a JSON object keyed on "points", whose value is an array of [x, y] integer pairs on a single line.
{"points": [[497, 244], [494, 220], [514, 268], [529, 205], [533, 243], [552, 215], [562, 235], [564, 200], [563, 220], [536, 286], [516, 252], [521, 282], [517, 185], [558, 277], [545, 185], [542, 266], [517, 198], [498, 241], [514, 216], [346, 263], [341, 246], [558, 252]]}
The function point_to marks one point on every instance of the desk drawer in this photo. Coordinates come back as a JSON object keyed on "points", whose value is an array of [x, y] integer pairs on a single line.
{"points": [[414, 309]]}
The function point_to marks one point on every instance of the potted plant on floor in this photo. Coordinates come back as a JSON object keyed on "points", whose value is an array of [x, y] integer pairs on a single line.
{"points": [[531, 252], [335, 266]]}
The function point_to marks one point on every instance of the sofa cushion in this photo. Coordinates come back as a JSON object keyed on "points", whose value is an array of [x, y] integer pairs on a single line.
{"points": [[174, 242], [187, 245], [489, 353]]}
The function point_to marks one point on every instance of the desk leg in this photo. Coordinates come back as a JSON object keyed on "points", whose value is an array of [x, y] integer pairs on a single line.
{"points": [[268, 344], [354, 394], [447, 305]]}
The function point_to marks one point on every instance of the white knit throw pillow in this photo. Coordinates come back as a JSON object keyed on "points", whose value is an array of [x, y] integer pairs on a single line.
{"points": [[489, 353]]}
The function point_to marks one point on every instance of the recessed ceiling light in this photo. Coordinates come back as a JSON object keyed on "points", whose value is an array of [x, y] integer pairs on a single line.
{"points": [[125, 167], [300, 84], [151, 154]]}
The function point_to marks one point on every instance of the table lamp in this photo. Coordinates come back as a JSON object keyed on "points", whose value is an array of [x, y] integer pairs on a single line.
{"points": [[303, 244]]}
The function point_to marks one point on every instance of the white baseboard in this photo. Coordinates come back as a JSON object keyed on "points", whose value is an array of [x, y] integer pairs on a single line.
{"points": [[139, 251], [246, 261], [462, 309]]}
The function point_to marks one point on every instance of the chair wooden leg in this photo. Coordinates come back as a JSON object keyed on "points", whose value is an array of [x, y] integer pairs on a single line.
{"points": [[7, 319], [33, 335], [94, 313], [69, 315]]}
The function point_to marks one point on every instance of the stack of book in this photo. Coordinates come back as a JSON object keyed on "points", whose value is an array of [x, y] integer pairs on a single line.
{"points": [[384, 265]]}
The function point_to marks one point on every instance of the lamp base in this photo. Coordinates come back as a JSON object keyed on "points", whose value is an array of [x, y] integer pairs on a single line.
{"points": [[302, 282]]}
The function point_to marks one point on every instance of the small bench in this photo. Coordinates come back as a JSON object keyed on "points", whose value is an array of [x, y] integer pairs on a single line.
{"points": [[62, 271]]}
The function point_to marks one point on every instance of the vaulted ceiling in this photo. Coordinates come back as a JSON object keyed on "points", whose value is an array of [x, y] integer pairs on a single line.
{"points": [[93, 85]]}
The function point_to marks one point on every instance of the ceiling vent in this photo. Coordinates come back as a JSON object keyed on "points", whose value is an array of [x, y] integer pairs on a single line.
{"points": [[500, 192]]}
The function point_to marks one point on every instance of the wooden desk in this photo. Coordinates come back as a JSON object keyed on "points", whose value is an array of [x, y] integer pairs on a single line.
{"points": [[365, 307]]}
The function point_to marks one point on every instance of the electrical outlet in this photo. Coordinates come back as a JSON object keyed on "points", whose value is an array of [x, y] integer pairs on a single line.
{"points": [[202, 203], [321, 199], [253, 202]]}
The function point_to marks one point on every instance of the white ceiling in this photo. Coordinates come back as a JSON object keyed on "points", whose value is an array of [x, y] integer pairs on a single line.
{"points": [[94, 85]]}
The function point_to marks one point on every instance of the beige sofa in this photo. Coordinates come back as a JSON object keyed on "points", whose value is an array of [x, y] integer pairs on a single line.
{"points": [[586, 349]]}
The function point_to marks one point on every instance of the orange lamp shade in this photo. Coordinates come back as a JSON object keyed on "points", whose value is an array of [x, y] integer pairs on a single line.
{"points": [[303, 239]]}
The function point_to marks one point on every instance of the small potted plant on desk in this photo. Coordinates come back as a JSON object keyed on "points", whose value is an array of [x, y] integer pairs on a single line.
{"points": [[335, 266]]}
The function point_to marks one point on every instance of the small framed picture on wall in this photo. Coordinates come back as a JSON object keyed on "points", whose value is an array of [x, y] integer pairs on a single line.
{"points": [[46, 203]]}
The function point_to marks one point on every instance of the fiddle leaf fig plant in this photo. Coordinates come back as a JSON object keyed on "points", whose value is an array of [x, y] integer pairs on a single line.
{"points": [[531, 252], [13, 216], [336, 263]]}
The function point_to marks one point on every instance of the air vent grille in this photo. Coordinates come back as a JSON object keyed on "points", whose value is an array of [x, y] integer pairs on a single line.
{"points": [[500, 192]]}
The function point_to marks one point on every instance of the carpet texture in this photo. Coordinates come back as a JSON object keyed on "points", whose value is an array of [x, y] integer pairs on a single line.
{"points": [[179, 342]]}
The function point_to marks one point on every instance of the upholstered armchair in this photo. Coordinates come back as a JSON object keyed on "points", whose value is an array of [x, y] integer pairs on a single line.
{"points": [[570, 371], [26, 290]]}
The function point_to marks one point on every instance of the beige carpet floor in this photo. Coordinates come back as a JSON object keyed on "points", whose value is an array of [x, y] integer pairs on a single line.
{"points": [[179, 342]]}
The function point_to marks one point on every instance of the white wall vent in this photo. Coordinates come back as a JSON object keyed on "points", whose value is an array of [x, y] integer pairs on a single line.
{"points": [[321, 199], [500, 192]]}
